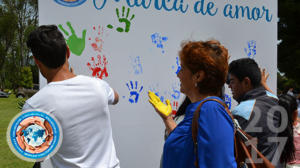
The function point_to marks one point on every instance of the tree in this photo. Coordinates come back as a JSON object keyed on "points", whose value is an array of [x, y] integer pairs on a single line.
{"points": [[284, 83], [21, 16], [26, 78], [7, 38], [288, 33]]}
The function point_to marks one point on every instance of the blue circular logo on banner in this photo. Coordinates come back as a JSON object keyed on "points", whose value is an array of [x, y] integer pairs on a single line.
{"points": [[70, 3], [34, 135]]}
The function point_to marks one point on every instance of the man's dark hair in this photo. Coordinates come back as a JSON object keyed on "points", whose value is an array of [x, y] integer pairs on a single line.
{"points": [[48, 45], [246, 67]]}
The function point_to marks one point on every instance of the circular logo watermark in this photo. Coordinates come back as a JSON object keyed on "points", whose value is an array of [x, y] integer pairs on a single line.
{"points": [[70, 3], [34, 135]]}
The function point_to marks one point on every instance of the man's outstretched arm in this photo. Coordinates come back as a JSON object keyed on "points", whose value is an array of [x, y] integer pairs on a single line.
{"points": [[116, 100]]}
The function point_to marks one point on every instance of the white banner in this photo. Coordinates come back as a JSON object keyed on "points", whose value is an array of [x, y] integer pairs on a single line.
{"points": [[134, 44]]}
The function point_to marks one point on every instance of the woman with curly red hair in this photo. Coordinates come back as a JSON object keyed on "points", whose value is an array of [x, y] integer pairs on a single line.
{"points": [[204, 66]]}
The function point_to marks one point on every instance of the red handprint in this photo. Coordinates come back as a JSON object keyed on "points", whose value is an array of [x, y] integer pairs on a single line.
{"points": [[99, 68], [97, 44], [174, 108]]}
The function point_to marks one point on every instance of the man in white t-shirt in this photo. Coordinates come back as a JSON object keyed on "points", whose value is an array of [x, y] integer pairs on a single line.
{"points": [[79, 103]]}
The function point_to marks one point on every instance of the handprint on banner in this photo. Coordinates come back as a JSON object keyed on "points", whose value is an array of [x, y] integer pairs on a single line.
{"points": [[99, 68], [157, 93], [97, 42], [123, 19], [178, 67], [176, 91], [174, 108], [251, 50], [136, 65], [228, 100], [158, 41], [134, 92], [75, 43]]}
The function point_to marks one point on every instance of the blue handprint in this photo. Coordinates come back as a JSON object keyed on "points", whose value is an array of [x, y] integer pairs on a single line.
{"points": [[134, 92], [136, 65], [228, 101], [162, 98], [251, 51], [157, 93], [176, 92], [177, 65], [158, 40]]}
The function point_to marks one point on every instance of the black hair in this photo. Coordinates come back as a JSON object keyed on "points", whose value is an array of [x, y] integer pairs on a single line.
{"points": [[48, 45], [289, 103], [246, 67], [182, 108]]}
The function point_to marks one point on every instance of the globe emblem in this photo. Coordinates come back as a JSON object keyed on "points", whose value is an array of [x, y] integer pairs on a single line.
{"points": [[34, 135], [70, 3]]}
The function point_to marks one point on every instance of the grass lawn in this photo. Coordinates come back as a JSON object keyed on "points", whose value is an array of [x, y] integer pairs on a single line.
{"points": [[8, 109]]}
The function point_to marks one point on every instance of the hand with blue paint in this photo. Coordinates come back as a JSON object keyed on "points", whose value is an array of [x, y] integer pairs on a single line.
{"points": [[164, 110], [134, 92]]}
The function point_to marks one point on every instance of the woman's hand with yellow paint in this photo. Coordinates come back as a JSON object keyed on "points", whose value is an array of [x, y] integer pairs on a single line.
{"points": [[163, 110]]}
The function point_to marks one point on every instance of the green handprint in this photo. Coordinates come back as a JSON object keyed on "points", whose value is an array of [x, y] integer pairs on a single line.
{"points": [[75, 43], [123, 20]]}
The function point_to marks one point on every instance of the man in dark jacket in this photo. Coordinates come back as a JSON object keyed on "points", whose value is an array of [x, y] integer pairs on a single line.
{"points": [[256, 111]]}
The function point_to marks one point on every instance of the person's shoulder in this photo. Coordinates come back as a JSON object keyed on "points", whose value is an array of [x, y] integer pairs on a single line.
{"points": [[271, 95], [86, 78], [244, 109], [43, 94], [91, 80], [44, 90], [267, 100], [213, 105], [215, 109], [96, 83]]}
